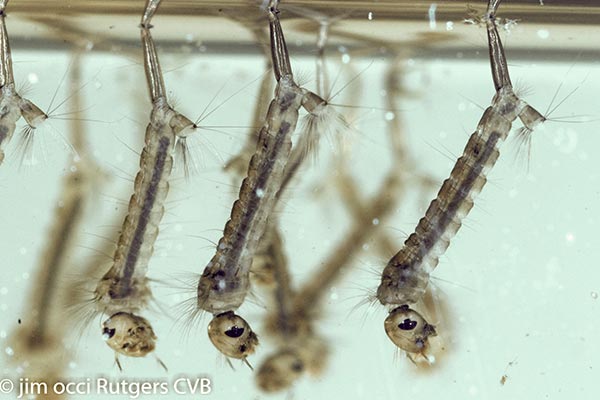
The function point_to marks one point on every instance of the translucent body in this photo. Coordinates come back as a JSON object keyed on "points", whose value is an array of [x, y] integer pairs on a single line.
{"points": [[123, 291], [406, 276]]}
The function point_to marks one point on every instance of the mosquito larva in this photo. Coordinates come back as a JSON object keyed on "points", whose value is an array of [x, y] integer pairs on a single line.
{"points": [[38, 339], [12, 105], [300, 348], [406, 276], [123, 291], [224, 283]]}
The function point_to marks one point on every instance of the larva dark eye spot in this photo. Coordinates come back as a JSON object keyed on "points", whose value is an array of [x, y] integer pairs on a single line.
{"points": [[234, 332], [108, 333], [407, 325]]}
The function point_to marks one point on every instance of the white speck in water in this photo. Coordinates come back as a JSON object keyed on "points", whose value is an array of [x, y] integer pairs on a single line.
{"points": [[365, 247], [98, 84], [33, 78], [449, 25], [260, 193], [594, 295], [3, 334], [222, 285], [333, 295], [72, 365], [346, 58], [566, 141], [375, 221], [25, 276], [4, 291], [89, 45], [370, 16], [9, 351], [189, 38], [543, 33], [23, 250], [570, 237], [342, 49], [431, 13], [105, 336], [389, 116]]}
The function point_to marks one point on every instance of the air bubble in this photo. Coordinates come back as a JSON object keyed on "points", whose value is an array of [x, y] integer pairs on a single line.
{"points": [[543, 34], [570, 237], [33, 78]]}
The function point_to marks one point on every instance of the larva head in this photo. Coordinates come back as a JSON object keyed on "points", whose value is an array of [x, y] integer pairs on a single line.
{"points": [[408, 330], [129, 334], [232, 335], [280, 371], [33, 115]]}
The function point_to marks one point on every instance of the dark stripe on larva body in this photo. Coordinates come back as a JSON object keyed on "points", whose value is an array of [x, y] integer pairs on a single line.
{"points": [[147, 208], [253, 198], [224, 282], [406, 276], [452, 196]]}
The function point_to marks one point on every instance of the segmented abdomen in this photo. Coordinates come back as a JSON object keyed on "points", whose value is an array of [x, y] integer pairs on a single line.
{"points": [[146, 208], [406, 275]]}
